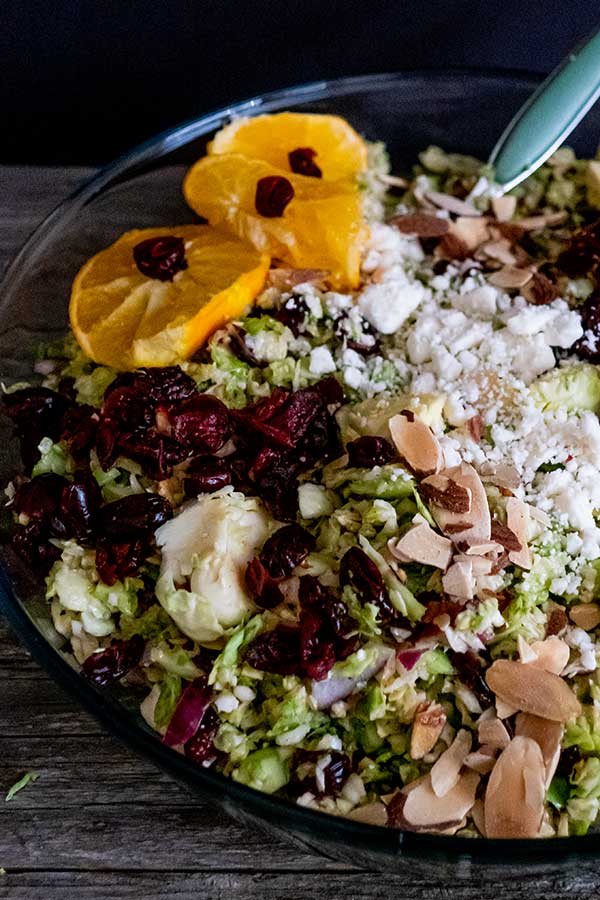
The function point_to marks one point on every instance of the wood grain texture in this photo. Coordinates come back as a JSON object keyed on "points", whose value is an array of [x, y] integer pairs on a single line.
{"points": [[102, 823]]}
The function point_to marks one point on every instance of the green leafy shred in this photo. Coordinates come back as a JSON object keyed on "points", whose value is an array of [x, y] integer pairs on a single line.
{"points": [[28, 777]]}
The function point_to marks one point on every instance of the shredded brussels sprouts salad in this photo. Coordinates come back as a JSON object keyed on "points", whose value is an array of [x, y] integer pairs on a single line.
{"points": [[347, 550]]}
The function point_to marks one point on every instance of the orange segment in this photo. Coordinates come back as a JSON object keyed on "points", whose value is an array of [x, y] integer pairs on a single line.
{"points": [[123, 318], [321, 228], [341, 152]]}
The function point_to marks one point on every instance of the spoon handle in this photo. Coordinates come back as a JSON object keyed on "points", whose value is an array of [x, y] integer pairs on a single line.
{"points": [[549, 116]]}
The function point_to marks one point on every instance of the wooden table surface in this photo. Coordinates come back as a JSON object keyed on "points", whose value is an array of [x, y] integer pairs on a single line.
{"points": [[102, 823]]}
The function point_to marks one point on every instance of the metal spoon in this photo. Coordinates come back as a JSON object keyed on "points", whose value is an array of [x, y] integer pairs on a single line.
{"points": [[547, 118]]}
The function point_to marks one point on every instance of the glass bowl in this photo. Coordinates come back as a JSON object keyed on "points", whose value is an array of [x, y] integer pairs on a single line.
{"points": [[461, 111]]}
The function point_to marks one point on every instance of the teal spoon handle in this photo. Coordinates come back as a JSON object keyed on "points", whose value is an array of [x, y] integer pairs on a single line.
{"points": [[549, 116]]}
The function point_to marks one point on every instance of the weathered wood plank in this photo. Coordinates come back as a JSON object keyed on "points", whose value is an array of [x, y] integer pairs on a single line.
{"points": [[195, 885]]}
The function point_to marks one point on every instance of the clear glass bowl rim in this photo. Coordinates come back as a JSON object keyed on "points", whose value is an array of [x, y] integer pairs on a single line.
{"points": [[114, 716]]}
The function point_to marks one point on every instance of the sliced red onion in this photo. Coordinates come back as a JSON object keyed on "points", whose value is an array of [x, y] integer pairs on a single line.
{"points": [[327, 692], [189, 713]]}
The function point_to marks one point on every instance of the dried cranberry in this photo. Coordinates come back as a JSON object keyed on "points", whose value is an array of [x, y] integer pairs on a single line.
{"points": [[317, 651], [134, 516], [32, 544], [155, 453], [166, 384], [205, 475], [336, 772], [469, 668], [240, 349], [36, 413], [588, 346], [200, 747], [114, 662], [118, 560], [202, 423], [278, 489], [334, 611], [263, 589], [78, 429], [276, 651], [160, 257], [40, 497], [286, 549], [292, 314], [582, 256], [369, 451], [273, 193], [79, 505], [363, 576], [302, 162]]}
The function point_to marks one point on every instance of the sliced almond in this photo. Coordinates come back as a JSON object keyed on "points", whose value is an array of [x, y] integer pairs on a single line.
{"points": [[529, 689], [473, 231], [284, 279], [416, 443], [517, 520], [478, 517], [452, 204], [505, 710], [510, 277], [458, 580], [540, 290], [448, 495], [423, 545], [423, 810], [551, 654], [526, 653], [428, 724], [504, 207], [479, 564], [548, 735], [478, 816], [557, 621], [392, 180], [502, 534], [502, 475], [514, 798], [484, 548], [480, 762], [370, 814], [493, 732], [446, 770], [546, 220], [500, 251], [540, 516], [585, 615], [420, 224]]}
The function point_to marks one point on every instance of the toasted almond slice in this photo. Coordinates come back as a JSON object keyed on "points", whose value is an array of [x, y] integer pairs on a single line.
{"points": [[500, 250], [517, 520], [557, 621], [473, 232], [480, 762], [479, 564], [540, 516], [416, 443], [420, 224], [528, 689], [504, 207], [493, 732], [585, 615], [526, 653], [551, 654], [428, 724], [284, 279], [505, 710], [445, 771], [452, 204], [478, 517], [458, 580], [447, 494], [371, 814], [510, 277], [392, 180], [540, 290], [423, 545], [484, 548], [547, 220], [478, 816], [424, 810], [514, 798], [545, 733], [502, 475]]}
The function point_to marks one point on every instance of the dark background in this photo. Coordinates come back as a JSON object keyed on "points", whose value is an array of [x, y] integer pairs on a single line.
{"points": [[81, 82]]}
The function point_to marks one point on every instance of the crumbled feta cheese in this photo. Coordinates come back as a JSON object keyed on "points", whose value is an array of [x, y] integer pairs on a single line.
{"points": [[321, 361]]}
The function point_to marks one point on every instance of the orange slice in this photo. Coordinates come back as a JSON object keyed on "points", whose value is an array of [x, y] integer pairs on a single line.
{"points": [[121, 317], [320, 228], [340, 150]]}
